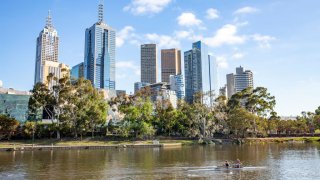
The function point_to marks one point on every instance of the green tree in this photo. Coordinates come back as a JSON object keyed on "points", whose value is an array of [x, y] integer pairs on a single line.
{"points": [[241, 122], [8, 126]]}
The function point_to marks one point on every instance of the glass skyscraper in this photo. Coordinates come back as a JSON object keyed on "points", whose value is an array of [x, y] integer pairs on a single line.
{"points": [[100, 51], [200, 73], [77, 71]]}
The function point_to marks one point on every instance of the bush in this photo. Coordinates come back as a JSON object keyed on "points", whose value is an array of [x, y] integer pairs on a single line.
{"points": [[8, 126]]}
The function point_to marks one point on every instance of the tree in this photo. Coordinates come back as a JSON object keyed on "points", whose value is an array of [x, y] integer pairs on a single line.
{"points": [[138, 118], [241, 122], [8, 126]]}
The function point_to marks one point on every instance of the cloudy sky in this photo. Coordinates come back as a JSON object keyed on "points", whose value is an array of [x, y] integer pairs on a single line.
{"points": [[278, 40]]}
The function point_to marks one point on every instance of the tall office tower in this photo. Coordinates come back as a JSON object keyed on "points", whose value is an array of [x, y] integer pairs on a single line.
{"points": [[47, 50], [99, 56], [239, 81], [200, 73], [177, 85], [170, 63], [230, 85], [77, 71], [243, 79], [149, 68]]}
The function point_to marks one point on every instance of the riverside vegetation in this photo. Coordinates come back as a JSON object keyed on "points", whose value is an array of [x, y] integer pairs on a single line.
{"points": [[77, 109]]}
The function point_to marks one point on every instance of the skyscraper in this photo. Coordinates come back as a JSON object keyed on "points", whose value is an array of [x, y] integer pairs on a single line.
{"points": [[200, 73], [47, 49], [77, 71], [149, 60], [230, 85], [47, 56], [177, 85], [239, 81], [170, 63], [99, 56], [243, 79]]}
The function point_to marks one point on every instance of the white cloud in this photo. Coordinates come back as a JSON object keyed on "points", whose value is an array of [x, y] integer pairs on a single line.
{"points": [[141, 7], [183, 34], [163, 41], [237, 55], [222, 62], [263, 40], [124, 34], [225, 35], [128, 65], [246, 10], [212, 13], [188, 19]]}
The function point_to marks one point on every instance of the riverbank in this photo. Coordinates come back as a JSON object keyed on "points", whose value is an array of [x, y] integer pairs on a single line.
{"points": [[283, 140], [52, 144], [87, 144]]}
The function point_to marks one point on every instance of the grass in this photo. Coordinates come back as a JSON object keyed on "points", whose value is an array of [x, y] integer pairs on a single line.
{"points": [[85, 142], [284, 139]]}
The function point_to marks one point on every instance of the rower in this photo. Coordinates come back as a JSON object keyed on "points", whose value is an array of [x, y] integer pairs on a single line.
{"points": [[226, 164], [238, 164]]}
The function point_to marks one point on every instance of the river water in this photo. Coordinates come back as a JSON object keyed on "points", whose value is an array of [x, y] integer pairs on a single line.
{"points": [[266, 161]]}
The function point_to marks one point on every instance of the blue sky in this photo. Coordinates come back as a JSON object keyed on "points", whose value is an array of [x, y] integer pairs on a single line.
{"points": [[278, 40]]}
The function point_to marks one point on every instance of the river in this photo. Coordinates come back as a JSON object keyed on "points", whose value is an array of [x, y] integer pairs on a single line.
{"points": [[264, 161]]}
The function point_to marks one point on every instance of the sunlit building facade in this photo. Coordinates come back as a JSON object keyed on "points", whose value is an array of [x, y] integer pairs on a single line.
{"points": [[100, 52]]}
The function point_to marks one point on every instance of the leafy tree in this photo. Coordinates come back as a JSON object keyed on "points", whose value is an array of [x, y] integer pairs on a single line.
{"points": [[8, 126], [241, 122]]}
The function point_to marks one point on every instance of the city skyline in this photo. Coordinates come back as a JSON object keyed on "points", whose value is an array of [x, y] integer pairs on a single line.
{"points": [[268, 47]]}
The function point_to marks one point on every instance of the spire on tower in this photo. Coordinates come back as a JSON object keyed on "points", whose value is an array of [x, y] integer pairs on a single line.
{"points": [[100, 12], [49, 20]]}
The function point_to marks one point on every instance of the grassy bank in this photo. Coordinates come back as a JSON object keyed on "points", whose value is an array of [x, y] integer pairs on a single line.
{"points": [[282, 139], [85, 142]]}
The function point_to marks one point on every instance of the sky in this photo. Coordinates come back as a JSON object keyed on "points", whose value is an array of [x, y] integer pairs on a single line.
{"points": [[278, 40]]}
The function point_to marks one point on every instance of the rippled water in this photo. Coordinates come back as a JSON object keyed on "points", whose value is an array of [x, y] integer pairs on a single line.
{"points": [[268, 161]]}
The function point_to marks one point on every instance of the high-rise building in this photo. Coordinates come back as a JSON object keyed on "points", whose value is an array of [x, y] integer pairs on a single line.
{"points": [[99, 56], [230, 85], [170, 63], [46, 51], [200, 73], [177, 85], [149, 60], [239, 81], [77, 71], [243, 79]]}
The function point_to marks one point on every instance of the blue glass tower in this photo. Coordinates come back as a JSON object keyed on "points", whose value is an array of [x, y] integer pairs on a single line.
{"points": [[99, 57], [200, 73]]}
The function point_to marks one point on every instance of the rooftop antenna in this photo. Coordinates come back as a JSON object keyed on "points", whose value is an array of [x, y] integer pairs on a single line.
{"points": [[100, 12], [49, 20]]}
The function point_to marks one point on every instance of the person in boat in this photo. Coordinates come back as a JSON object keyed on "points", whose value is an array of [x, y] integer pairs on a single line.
{"points": [[226, 164], [238, 164]]}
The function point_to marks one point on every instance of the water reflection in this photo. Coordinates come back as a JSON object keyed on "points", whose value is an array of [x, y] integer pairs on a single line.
{"points": [[281, 161]]}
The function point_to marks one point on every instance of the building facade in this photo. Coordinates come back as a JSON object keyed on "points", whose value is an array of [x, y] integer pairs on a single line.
{"points": [[243, 79], [52, 70], [139, 85], [170, 63], [47, 51], [149, 60], [99, 56], [77, 71], [239, 81], [200, 73], [230, 85], [177, 85], [14, 103]]}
